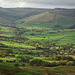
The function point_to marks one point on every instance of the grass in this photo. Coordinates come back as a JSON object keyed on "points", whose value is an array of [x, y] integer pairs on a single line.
{"points": [[41, 21], [50, 61], [47, 19], [7, 31], [13, 63], [64, 70], [61, 38], [36, 70], [60, 70], [11, 70], [13, 44], [4, 59]]}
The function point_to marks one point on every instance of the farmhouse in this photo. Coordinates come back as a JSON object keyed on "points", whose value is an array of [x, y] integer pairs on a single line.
{"points": [[56, 47], [29, 50]]}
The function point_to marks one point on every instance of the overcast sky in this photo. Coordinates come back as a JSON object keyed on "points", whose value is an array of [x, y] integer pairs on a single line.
{"points": [[38, 3]]}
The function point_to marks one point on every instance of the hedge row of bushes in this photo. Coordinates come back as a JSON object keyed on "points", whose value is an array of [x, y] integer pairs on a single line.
{"points": [[8, 61], [19, 65], [39, 62]]}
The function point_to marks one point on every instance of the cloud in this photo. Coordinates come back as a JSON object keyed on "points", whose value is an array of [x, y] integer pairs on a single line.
{"points": [[38, 3]]}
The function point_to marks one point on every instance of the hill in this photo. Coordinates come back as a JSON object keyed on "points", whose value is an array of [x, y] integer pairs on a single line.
{"points": [[50, 18], [13, 14], [37, 17]]}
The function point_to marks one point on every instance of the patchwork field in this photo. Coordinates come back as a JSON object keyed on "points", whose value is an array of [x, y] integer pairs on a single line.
{"points": [[37, 41]]}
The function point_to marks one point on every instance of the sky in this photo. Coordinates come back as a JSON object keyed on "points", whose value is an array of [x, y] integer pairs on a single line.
{"points": [[38, 3]]}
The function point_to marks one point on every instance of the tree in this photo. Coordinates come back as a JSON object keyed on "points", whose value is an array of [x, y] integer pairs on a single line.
{"points": [[52, 48], [62, 62], [3, 53], [43, 58], [1, 60], [73, 51], [24, 59], [70, 63], [23, 64], [37, 62], [16, 65]]}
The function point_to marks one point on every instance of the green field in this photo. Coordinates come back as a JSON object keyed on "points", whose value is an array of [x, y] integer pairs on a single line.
{"points": [[12, 44], [60, 37]]}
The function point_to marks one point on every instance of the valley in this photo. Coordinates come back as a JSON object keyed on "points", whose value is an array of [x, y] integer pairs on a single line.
{"points": [[37, 41]]}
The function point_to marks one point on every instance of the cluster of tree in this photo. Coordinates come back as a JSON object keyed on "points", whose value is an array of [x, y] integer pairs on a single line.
{"points": [[39, 62], [63, 57], [17, 39], [64, 62], [59, 57], [48, 45], [11, 61], [25, 58], [40, 45], [33, 31], [17, 64], [3, 53], [1, 61]]}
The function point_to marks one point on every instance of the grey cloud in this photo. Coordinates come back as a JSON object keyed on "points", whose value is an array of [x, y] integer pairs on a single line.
{"points": [[37, 3], [53, 2]]}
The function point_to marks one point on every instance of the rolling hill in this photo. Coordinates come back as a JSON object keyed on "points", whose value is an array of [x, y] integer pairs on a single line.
{"points": [[36, 17], [13, 14], [50, 18]]}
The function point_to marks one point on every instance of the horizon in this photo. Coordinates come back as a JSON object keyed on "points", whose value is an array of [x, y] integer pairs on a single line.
{"points": [[37, 8]]}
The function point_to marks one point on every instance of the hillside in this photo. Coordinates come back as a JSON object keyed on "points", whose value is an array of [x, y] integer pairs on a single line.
{"points": [[13, 14], [12, 70], [38, 17], [50, 18]]}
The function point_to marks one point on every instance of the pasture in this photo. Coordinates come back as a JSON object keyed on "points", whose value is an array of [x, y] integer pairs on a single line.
{"points": [[13, 44]]}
